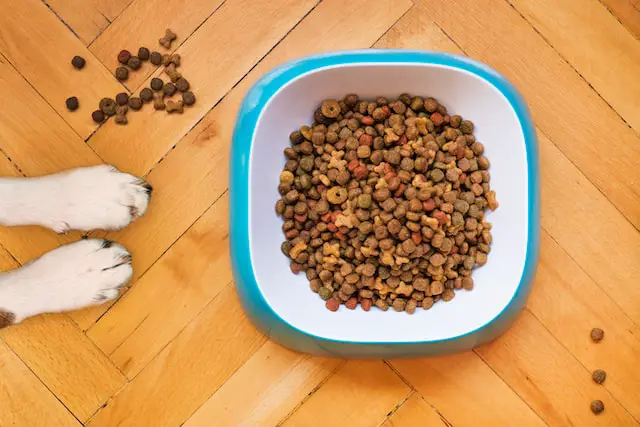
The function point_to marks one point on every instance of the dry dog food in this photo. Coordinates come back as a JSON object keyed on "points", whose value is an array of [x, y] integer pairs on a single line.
{"points": [[98, 116], [156, 58], [169, 37], [174, 107], [123, 56], [383, 203], [597, 406], [78, 62], [122, 73], [143, 53], [134, 63], [599, 376], [597, 334], [121, 114], [156, 84], [108, 106], [135, 103], [122, 98], [72, 103], [146, 95], [188, 98]]}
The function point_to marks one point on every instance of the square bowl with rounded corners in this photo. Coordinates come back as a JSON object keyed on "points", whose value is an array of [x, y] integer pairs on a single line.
{"points": [[281, 304]]}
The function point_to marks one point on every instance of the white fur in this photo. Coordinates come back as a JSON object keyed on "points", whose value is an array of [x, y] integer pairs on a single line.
{"points": [[98, 197], [73, 276]]}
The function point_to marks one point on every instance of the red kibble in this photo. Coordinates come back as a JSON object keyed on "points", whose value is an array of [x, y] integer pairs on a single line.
{"points": [[440, 216], [300, 218], [334, 215], [351, 303], [463, 177], [332, 227], [366, 304], [290, 234], [400, 191], [416, 238], [326, 217], [387, 110], [353, 164], [366, 140], [332, 304], [360, 172], [402, 140], [367, 121], [437, 119], [429, 205]]}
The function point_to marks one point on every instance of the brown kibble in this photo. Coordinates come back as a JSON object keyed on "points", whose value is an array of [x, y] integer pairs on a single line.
{"points": [[597, 334], [72, 103], [158, 101], [167, 39], [330, 108], [143, 53], [427, 303], [122, 98], [169, 89], [325, 293], [121, 114], [171, 71], [135, 103], [108, 106], [599, 376], [188, 98], [97, 116], [155, 58], [597, 406], [123, 56], [337, 195], [134, 63], [146, 95], [122, 73], [182, 84], [156, 84], [78, 62], [466, 127]]}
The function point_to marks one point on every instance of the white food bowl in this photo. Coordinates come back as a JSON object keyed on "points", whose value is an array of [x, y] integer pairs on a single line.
{"points": [[281, 303]]}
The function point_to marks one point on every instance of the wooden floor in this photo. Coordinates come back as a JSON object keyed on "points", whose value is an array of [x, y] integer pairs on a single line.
{"points": [[177, 350]]}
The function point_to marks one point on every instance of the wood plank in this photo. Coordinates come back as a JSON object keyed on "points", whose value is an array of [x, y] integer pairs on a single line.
{"points": [[130, 32], [24, 400], [265, 389], [83, 17], [255, 27], [188, 370], [466, 391], [40, 46], [627, 12], [549, 378], [594, 42], [569, 304], [66, 361], [193, 272], [415, 412], [563, 104], [111, 9], [360, 393], [195, 173]]}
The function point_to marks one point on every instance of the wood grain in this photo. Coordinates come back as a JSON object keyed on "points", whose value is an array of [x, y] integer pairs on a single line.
{"points": [[265, 389], [83, 17], [627, 12], [598, 47], [168, 391], [25, 401], [368, 390], [40, 46], [255, 26], [415, 412]]}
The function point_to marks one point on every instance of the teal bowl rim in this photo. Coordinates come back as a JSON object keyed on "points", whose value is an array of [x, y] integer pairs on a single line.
{"points": [[260, 312]]}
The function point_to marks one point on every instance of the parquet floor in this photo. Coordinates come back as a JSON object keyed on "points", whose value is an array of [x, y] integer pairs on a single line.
{"points": [[177, 350]]}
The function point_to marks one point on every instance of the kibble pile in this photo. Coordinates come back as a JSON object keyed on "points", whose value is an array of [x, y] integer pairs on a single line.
{"points": [[159, 93], [384, 201]]}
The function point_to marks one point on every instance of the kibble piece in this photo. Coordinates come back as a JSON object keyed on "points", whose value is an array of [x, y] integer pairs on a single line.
{"points": [[188, 98], [330, 108], [108, 106], [169, 89], [156, 83], [97, 116], [124, 56], [122, 98], [134, 63], [597, 406], [167, 39], [174, 107], [146, 95], [171, 59], [121, 114], [597, 334], [122, 73], [599, 376], [72, 103], [135, 103], [173, 74], [143, 53], [158, 101], [182, 84], [155, 58], [78, 62]]}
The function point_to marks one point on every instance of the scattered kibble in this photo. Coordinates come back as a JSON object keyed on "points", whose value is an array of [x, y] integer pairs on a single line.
{"points": [[599, 376], [122, 73], [171, 59], [158, 101], [155, 58], [597, 334], [98, 116], [146, 95], [169, 89], [156, 84], [121, 114], [172, 72], [143, 53], [123, 56], [122, 98], [597, 406], [135, 103], [174, 107], [78, 62], [384, 203], [108, 106], [182, 84], [134, 63], [167, 39], [188, 98], [72, 103]]}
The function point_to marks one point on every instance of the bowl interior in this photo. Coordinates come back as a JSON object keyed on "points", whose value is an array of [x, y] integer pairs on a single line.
{"points": [[496, 126]]}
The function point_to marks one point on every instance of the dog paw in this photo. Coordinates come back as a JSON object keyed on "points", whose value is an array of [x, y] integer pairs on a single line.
{"points": [[74, 276]]}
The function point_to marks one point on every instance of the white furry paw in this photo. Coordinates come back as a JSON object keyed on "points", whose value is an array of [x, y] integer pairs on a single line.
{"points": [[97, 197], [74, 276]]}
